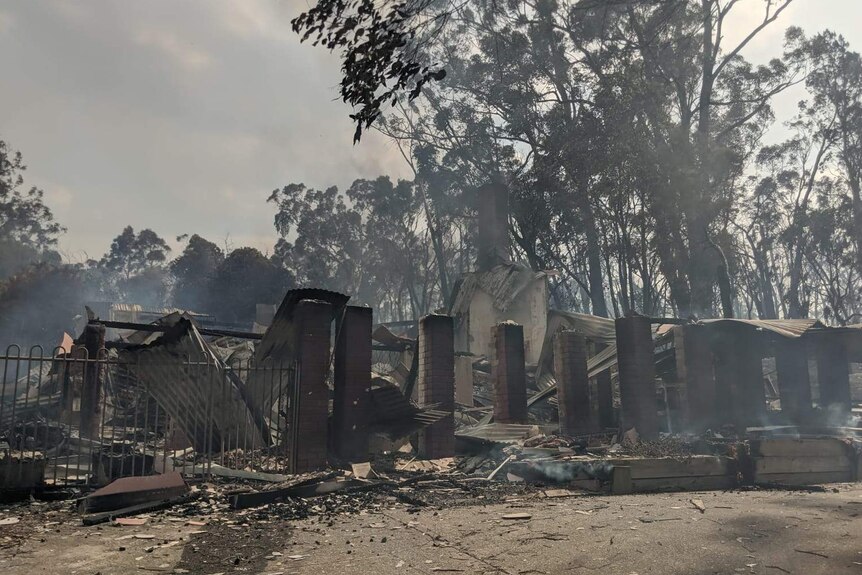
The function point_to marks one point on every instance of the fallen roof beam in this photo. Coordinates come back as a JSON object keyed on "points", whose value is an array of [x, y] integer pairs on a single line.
{"points": [[152, 327], [668, 320]]}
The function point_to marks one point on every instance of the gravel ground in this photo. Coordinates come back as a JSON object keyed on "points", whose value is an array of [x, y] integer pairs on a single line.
{"points": [[768, 532], [520, 532]]}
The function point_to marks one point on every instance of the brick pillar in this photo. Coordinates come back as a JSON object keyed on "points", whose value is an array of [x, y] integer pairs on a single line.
{"points": [[694, 359], [605, 395], [573, 383], [749, 395], [313, 324], [91, 391], [508, 372], [833, 374], [794, 385], [635, 351], [725, 374], [352, 385], [437, 384]]}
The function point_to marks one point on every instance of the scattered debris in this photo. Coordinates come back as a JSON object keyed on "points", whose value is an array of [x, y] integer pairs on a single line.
{"points": [[698, 504], [130, 521], [135, 491], [517, 516], [816, 553]]}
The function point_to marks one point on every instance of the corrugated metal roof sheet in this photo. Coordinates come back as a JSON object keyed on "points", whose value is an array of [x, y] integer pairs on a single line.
{"points": [[197, 390], [395, 416], [595, 328], [278, 346], [782, 327], [499, 432]]}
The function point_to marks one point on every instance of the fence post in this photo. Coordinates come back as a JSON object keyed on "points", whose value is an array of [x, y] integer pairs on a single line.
{"points": [[94, 341]]}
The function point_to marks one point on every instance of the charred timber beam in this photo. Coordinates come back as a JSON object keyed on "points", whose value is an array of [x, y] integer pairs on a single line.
{"points": [[668, 320], [155, 328], [91, 392]]}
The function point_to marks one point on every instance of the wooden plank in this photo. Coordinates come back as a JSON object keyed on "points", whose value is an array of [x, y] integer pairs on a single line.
{"points": [[220, 471], [790, 447], [767, 465], [705, 483], [695, 466], [804, 478], [96, 518]]}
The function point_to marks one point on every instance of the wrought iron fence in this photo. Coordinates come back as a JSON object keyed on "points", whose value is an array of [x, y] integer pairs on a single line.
{"points": [[67, 418]]}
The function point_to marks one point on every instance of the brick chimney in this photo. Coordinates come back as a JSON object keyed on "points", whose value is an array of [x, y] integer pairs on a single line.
{"points": [[493, 241]]}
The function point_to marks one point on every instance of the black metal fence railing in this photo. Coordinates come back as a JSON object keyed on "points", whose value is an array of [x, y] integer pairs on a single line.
{"points": [[67, 418]]}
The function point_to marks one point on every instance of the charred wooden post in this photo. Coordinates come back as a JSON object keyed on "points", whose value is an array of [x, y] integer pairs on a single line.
{"points": [[464, 380], [437, 384], [794, 385], [352, 385], [573, 383], [68, 366], [635, 352], [310, 411], [91, 390], [508, 372], [605, 395], [833, 374]]}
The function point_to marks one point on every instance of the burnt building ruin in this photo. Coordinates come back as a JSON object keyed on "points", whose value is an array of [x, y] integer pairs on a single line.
{"points": [[318, 385]]}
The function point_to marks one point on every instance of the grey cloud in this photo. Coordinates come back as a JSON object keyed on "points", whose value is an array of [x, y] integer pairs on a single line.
{"points": [[180, 116]]}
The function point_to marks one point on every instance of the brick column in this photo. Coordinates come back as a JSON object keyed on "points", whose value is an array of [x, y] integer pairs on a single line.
{"points": [[313, 324], [635, 351], [725, 374], [749, 395], [794, 385], [694, 361], [508, 372], [437, 384], [352, 385], [573, 383], [833, 374]]}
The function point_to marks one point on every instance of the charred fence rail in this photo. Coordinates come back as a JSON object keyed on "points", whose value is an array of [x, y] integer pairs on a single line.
{"points": [[67, 418]]}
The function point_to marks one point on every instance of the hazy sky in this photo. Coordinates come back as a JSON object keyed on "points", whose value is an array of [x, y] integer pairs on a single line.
{"points": [[184, 116]]}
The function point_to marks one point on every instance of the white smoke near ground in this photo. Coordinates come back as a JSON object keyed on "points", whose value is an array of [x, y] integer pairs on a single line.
{"points": [[566, 471]]}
